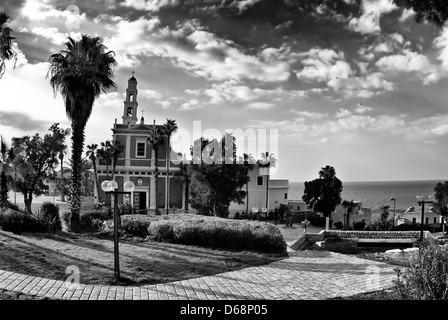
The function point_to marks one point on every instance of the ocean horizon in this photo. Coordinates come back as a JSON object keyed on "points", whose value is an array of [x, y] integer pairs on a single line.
{"points": [[373, 194]]}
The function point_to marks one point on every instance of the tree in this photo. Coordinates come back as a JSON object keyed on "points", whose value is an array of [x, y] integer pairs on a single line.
{"points": [[267, 161], [38, 159], [91, 155], [433, 11], [80, 73], [349, 206], [218, 179], [86, 167], [3, 180], [384, 212], [249, 164], [440, 204], [61, 158], [155, 139], [117, 148], [6, 39], [105, 154], [324, 193], [170, 127]]}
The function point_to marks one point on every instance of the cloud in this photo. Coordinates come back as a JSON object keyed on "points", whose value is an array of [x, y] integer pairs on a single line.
{"points": [[149, 5], [360, 108], [150, 94], [22, 121], [190, 105], [370, 20], [260, 106], [341, 113], [409, 61], [311, 115]]}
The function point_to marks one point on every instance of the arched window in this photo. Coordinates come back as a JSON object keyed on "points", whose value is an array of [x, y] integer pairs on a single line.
{"points": [[131, 97], [130, 112]]}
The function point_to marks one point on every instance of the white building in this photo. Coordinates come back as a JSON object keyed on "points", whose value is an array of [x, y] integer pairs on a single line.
{"points": [[261, 186]]}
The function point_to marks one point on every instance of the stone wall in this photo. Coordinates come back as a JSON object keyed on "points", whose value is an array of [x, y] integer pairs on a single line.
{"points": [[340, 234]]}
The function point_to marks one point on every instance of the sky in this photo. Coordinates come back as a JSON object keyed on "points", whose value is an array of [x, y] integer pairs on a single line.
{"points": [[357, 85]]}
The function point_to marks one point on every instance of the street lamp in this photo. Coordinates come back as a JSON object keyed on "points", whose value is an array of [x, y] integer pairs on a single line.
{"points": [[111, 187], [422, 202], [393, 199]]}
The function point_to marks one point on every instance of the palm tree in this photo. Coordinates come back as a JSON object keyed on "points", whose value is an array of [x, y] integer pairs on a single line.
{"points": [[249, 163], [116, 149], [6, 38], [349, 206], [155, 138], [186, 177], [268, 161], [327, 173], [91, 155], [80, 73], [105, 154], [170, 127]]}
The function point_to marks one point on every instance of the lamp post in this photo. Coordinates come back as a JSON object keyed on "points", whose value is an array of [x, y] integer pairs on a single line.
{"points": [[422, 202], [393, 199], [111, 187]]}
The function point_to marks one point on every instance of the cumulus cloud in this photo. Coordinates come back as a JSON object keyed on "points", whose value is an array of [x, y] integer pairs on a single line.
{"points": [[260, 106], [190, 105], [22, 121], [150, 5]]}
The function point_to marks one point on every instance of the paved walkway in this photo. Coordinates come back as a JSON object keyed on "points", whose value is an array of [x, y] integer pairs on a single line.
{"points": [[309, 275]]}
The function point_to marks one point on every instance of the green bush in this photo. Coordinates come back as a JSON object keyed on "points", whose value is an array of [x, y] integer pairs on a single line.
{"points": [[426, 277], [18, 222], [89, 221], [381, 225], [433, 227], [189, 229], [360, 225], [49, 216], [136, 225], [338, 225], [316, 220]]}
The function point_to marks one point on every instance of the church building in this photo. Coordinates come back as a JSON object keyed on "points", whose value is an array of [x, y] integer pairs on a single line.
{"points": [[137, 162]]}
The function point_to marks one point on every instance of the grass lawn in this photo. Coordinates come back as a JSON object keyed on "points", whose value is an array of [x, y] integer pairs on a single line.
{"points": [[141, 262]]}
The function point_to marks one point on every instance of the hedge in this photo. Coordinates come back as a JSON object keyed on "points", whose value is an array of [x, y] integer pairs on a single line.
{"points": [[205, 231]]}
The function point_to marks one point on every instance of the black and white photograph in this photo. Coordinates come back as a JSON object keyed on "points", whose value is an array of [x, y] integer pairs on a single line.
{"points": [[223, 158]]}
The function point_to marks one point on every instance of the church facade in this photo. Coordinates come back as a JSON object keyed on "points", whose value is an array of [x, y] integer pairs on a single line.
{"points": [[137, 162]]}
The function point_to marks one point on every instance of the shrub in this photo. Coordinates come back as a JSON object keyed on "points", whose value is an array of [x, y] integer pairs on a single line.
{"points": [[136, 225], [433, 227], [89, 221], [18, 222], [316, 220], [237, 215], [126, 208], [49, 216], [216, 232], [338, 225], [426, 278], [360, 225], [381, 225]]}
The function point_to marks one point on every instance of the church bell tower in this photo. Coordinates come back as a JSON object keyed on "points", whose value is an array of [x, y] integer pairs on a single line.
{"points": [[131, 104]]}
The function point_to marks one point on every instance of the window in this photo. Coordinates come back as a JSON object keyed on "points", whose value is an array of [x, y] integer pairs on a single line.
{"points": [[414, 220], [286, 196], [141, 149], [260, 181], [435, 220], [298, 208], [427, 220], [130, 112]]}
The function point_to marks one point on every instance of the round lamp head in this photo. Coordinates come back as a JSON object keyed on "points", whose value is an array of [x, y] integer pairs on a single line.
{"points": [[128, 186], [105, 186], [113, 185]]}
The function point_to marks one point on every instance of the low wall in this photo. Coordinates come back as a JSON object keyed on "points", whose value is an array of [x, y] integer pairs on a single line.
{"points": [[342, 234]]}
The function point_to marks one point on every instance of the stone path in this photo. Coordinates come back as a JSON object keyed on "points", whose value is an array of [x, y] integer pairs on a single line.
{"points": [[309, 275]]}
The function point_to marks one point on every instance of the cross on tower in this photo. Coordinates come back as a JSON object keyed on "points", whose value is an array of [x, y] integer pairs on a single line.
{"points": [[133, 73], [143, 111]]}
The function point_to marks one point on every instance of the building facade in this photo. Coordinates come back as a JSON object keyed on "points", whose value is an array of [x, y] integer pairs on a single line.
{"points": [[137, 162]]}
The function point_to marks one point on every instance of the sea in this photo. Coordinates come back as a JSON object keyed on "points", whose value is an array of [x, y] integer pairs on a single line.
{"points": [[377, 193]]}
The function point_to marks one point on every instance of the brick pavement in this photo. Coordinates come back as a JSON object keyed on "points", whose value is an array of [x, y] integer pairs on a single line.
{"points": [[305, 275]]}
